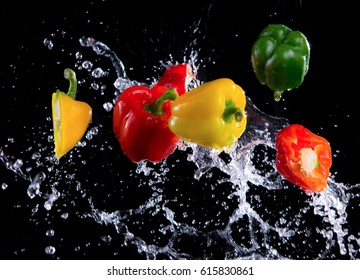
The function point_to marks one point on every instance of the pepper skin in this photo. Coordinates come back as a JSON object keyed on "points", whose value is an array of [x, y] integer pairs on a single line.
{"points": [[141, 114], [177, 76], [143, 135], [303, 158], [211, 115], [280, 58], [71, 118]]}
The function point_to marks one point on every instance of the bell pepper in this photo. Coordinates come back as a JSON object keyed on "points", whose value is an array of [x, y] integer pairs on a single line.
{"points": [[71, 118], [303, 158], [141, 114], [211, 115], [177, 76], [280, 58]]}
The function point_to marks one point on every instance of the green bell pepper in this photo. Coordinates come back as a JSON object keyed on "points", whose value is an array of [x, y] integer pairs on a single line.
{"points": [[280, 58]]}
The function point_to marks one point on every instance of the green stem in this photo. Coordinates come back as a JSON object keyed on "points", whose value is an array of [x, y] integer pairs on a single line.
{"points": [[278, 95], [157, 108], [232, 112], [71, 77]]}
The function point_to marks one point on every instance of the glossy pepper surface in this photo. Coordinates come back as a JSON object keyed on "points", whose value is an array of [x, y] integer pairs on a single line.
{"points": [[211, 115], [71, 118], [303, 158], [177, 76], [141, 114], [280, 58]]}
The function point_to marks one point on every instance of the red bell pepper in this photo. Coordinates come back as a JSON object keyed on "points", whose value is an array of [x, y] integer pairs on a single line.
{"points": [[141, 114], [303, 158], [176, 76]]}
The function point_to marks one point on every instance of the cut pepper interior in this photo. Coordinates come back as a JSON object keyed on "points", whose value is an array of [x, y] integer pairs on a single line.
{"points": [[308, 160]]}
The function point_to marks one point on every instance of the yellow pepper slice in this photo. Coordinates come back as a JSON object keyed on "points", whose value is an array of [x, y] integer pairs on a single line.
{"points": [[211, 115], [71, 118]]}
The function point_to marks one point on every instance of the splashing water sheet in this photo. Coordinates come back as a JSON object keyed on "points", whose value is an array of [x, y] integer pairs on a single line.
{"points": [[197, 204]]}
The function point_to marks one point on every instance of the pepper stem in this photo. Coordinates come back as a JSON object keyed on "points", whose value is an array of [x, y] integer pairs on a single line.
{"points": [[156, 108], [278, 95], [71, 77], [232, 112]]}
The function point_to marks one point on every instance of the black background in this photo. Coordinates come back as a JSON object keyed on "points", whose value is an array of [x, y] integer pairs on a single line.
{"points": [[142, 34]]}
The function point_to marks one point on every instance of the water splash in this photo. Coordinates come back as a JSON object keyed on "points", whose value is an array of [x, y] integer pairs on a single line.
{"points": [[35, 182], [248, 165], [13, 166], [102, 49], [231, 205]]}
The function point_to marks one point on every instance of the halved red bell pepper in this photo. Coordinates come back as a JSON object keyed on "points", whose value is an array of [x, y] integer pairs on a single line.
{"points": [[303, 158], [141, 114]]}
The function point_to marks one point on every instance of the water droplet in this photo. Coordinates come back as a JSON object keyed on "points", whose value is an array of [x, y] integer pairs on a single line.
{"points": [[108, 106], [143, 168], [18, 163], [78, 55], [93, 131], [51, 198], [33, 190], [95, 86], [48, 43], [86, 41], [35, 209], [50, 232], [65, 216], [87, 65], [106, 238], [98, 73], [50, 250], [36, 155], [121, 84]]}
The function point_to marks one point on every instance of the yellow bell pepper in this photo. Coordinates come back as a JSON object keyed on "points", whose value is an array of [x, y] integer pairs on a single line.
{"points": [[211, 115], [71, 118]]}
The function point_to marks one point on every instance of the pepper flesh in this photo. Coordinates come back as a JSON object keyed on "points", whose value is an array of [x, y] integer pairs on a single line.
{"points": [[71, 118], [303, 158], [211, 115], [280, 58]]}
